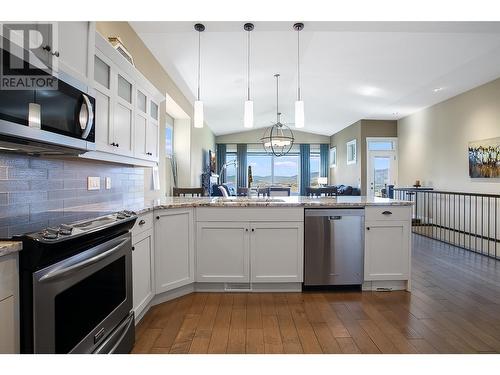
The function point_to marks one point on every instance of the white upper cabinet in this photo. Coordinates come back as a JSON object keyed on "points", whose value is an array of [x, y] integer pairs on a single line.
{"points": [[127, 116], [124, 116], [103, 94], [146, 138], [76, 48], [70, 51]]}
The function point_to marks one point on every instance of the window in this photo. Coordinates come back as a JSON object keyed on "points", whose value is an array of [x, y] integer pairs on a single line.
{"points": [[231, 166], [381, 145], [269, 170], [314, 165], [169, 141], [351, 152], [333, 157]]}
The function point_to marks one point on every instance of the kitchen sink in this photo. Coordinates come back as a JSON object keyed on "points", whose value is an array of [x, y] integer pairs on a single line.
{"points": [[238, 200]]}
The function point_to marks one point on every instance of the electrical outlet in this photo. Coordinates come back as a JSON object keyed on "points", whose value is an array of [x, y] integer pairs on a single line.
{"points": [[93, 183], [108, 183]]}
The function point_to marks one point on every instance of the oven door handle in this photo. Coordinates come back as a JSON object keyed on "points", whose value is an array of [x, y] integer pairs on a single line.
{"points": [[86, 118], [50, 276]]}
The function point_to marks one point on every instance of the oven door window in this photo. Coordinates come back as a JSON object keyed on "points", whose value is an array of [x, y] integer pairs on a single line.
{"points": [[60, 110], [79, 309]]}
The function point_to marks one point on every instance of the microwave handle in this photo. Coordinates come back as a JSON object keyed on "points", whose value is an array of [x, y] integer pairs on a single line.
{"points": [[90, 116]]}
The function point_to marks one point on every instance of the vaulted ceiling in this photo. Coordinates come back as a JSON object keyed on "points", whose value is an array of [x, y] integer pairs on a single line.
{"points": [[349, 70]]}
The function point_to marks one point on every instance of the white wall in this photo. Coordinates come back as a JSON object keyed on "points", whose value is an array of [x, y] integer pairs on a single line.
{"points": [[433, 142]]}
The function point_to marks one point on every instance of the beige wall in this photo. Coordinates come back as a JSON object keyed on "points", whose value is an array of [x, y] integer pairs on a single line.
{"points": [[253, 136], [433, 142], [355, 174], [343, 173], [147, 64]]}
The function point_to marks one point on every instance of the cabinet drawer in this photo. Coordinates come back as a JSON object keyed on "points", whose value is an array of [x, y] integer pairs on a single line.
{"points": [[8, 275], [144, 222], [388, 213]]}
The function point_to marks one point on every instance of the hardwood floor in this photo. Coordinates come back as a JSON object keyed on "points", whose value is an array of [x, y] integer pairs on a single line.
{"points": [[454, 307]]}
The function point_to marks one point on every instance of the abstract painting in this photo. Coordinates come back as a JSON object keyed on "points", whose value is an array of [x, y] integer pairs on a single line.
{"points": [[484, 158]]}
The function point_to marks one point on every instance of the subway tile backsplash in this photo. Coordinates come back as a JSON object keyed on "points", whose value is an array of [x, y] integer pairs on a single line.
{"points": [[40, 192]]}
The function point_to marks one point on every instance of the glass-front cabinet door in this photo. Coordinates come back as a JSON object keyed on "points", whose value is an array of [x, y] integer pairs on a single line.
{"points": [[141, 125], [103, 108], [124, 115]]}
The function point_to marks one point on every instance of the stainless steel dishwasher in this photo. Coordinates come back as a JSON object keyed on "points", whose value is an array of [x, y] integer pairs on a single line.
{"points": [[334, 247]]}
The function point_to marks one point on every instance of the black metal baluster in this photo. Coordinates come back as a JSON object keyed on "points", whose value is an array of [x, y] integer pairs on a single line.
{"points": [[489, 237], [482, 225], [475, 229], [496, 226], [470, 218], [454, 225]]}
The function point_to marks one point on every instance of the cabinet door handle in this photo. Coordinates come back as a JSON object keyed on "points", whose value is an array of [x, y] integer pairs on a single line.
{"points": [[142, 222], [157, 218], [387, 213], [253, 230], [133, 248], [113, 144], [367, 228]]}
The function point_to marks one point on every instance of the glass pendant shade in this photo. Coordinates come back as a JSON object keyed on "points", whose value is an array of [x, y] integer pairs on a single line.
{"points": [[198, 114], [299, 114], [248, 115]]}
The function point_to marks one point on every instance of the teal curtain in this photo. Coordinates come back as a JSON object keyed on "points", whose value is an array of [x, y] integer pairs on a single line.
{"points": [[221, 159], [305, 168], [241, 156], [324, 150]]}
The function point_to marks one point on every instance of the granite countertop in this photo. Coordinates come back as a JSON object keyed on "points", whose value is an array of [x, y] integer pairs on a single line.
{"points": [[9, 247], [334, 202], [143, 206]]}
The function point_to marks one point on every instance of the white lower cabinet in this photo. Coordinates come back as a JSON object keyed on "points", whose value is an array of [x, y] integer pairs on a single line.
{"points": [[7, 326], [174, 248], [277, 251], [249, 251], [387, 250], [9, 305], [222, 252], [143, 270]]}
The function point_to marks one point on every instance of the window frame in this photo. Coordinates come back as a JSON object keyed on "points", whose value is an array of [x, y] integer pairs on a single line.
{"points": [[333, 157], [353, 144]]}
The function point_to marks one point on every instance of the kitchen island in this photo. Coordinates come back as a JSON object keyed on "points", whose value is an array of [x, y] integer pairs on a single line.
{"points": [[183, 245]]}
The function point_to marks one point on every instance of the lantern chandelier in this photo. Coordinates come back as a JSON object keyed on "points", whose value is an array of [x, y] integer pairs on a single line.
{"points": [[278, 139]]}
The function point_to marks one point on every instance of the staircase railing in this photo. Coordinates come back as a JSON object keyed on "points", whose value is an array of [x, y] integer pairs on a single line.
{"points": [[466, 220]]}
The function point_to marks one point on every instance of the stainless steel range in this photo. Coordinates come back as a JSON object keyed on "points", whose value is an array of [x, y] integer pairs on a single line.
{"points": [[76, 287]]}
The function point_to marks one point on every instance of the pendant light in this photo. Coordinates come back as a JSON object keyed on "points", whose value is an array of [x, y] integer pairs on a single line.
{"points": [[299, 103], [248, 114], [278, 139], [198, 104]]}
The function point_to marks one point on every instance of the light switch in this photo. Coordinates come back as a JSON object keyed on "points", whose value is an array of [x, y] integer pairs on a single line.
{"points": [[108, 183], [93, 183]]}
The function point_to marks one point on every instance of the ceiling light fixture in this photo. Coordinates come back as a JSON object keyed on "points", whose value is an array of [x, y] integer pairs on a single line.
{"points": [[437, 89], [299, 103], [278, 139], [248, 114], [198, 104]]}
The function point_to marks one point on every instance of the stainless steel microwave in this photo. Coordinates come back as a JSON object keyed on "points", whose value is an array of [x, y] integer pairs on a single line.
{"points": [[47, 121]]}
